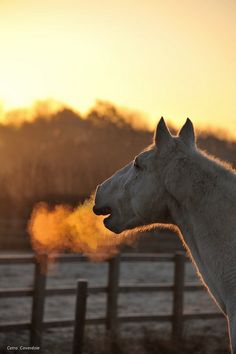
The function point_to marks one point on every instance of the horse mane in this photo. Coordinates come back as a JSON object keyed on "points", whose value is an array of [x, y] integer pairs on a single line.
{"points": [[219, 165], [223, 170]]}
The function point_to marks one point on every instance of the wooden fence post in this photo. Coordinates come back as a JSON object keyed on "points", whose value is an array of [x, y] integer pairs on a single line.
{"points": [[40, 279], [112, 294], [80, 316], [178, 295]]}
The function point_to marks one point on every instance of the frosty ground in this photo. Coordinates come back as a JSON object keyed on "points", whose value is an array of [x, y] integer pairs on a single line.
{"points": [[60, 340]]}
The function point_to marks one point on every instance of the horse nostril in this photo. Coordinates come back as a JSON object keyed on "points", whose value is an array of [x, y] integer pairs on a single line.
{"points": [[102, 211]]}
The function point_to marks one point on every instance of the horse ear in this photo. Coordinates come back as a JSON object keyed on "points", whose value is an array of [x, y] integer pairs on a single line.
{"points": [[187, 133], [162, 134]]}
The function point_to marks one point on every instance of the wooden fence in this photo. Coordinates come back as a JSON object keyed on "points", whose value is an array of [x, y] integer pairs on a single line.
{"points": [[111, 320]]}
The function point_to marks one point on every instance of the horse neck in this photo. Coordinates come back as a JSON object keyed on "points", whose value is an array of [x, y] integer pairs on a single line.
{"points": [[207, 194]]}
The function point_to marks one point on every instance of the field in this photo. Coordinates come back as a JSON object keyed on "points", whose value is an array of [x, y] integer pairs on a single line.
{"points": [[149, 336]]}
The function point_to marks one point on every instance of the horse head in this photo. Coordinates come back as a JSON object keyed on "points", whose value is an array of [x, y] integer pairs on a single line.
{"points": [[139, 193]]}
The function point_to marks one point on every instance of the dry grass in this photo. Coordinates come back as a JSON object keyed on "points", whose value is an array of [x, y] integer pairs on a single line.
{"points": [[151, 343], [146, 341]]}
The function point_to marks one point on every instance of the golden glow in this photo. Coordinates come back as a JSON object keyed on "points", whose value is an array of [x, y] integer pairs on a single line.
{"points": [[174, 58], [79, 230]]}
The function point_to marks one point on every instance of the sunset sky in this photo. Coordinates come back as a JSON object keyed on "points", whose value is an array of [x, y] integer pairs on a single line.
{"points": [[160, 57]]}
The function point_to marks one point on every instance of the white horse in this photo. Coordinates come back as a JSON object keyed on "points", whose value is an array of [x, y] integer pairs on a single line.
{"points": [[173, 182]]}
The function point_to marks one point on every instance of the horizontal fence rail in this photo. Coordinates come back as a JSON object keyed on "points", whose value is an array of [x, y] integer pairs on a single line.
{"points": [[112, 319], [70, 258], [55, 323], [129, 288]]}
